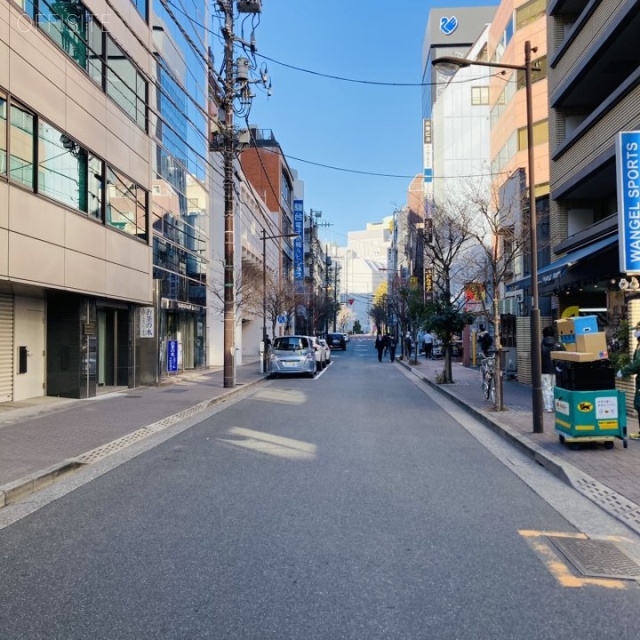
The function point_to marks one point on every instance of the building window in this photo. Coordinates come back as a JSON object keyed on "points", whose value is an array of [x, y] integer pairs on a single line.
{"points": [[540, 134], [125, 85], [126, 205], [76, 31], [3, 134], [62, 167], [536, 74], [141, 6], [530, 12], [95, 182], [65, 22], [28, 6], [479, 96], [504, 41], [21, 136]]}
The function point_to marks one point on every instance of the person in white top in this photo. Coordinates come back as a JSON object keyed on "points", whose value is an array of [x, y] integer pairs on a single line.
{"points": [[428, 344]]}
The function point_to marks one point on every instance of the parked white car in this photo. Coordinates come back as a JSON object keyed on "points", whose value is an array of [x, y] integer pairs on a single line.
{"points": [[321, 358], [327, 350]]}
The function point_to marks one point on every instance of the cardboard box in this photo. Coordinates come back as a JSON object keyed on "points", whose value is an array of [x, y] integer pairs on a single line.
{"points": [[584, 325], [592, 343], [574, 356]]}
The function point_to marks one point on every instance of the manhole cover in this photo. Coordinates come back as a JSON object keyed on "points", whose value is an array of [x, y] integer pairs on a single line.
{"points": [[175, 390], [598, 558]]}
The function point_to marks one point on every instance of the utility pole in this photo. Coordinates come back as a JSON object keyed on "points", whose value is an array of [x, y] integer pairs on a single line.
{"points": [[230, 146], [229, 372]]}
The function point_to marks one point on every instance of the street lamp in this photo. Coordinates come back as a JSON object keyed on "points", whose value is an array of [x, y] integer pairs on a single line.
{"points": [[448, 65], [265, 237]]}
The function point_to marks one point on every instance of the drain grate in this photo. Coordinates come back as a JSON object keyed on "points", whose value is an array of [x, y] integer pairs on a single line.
{"points": [[598, 558]]}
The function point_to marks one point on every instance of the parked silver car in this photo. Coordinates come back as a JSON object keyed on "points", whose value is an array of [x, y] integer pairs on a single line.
{"points": [[292, 354]]}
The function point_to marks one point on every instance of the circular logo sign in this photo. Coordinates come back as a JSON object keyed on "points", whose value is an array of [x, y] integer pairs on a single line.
{"points": [[585, 407]]}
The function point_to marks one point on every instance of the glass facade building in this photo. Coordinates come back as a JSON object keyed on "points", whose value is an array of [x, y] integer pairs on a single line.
{"points": [[179, 192]]}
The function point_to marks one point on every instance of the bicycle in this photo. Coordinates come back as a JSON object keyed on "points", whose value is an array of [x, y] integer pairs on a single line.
{"points": [[488, 371]]}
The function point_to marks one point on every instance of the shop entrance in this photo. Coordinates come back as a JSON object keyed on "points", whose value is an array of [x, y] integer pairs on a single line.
{"points": [[113, 348]]}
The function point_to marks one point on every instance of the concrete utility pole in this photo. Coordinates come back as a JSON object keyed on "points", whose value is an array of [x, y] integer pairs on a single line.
{"points": [[229, 372], [232, 77]]}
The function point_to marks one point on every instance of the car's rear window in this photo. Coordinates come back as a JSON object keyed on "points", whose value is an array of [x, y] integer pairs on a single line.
{"points": [[290, 343]]}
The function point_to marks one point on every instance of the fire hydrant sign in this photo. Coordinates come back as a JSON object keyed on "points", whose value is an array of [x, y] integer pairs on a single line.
{"points": [[628, 172]]}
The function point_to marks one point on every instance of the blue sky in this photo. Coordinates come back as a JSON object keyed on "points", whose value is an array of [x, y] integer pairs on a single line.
{"points": [[353, 126]]}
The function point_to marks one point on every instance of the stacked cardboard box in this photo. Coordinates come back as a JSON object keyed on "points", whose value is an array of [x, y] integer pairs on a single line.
{"points": [[581, 339]]}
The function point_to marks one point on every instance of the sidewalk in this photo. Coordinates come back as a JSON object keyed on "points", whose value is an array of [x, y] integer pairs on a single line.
{"points": [[42, 439], [610, 478]]}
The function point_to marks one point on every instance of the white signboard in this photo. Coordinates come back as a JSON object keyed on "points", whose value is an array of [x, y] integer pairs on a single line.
{"points": [[146, 324]]}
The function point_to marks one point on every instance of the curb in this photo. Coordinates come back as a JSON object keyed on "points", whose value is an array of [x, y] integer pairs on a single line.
{"points": [[17, 490]]}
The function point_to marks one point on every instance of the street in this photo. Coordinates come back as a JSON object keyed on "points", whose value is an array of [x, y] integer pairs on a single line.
{"points": [[350, 506]]}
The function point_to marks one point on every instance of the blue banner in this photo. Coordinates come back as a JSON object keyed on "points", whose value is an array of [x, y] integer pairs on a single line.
{"points": [[298, 243], [628, 170], [172, 355]]}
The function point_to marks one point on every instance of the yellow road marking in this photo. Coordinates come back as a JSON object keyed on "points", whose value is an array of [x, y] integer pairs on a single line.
{"points": [[558, 569]]}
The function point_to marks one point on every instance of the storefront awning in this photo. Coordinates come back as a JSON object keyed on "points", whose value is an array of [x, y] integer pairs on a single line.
{"points": [[551, 272]]}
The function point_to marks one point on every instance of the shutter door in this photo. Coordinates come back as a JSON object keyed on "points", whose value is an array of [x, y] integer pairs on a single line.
{"points": [[6, 348]]}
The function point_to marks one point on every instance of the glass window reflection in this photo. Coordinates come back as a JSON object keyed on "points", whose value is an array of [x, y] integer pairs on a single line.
{"points": [[3, 135], [21, 132], [62, 167]]}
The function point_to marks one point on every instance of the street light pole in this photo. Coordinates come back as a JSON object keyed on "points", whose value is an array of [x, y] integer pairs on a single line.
{"points": [[447, 64]]}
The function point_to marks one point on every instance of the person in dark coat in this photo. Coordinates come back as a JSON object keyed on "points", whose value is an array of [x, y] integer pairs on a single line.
{"points": [[633, 368], [548, 345], [391, 343], [485, 340], [380, 344]]}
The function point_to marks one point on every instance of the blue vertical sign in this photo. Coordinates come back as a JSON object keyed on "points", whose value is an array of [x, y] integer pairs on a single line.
{"points": [[628, 170], [298, 242], [172, 355]]}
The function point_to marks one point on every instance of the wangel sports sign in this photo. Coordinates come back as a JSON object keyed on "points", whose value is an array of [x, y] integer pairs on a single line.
{"points": [[628, 171]]}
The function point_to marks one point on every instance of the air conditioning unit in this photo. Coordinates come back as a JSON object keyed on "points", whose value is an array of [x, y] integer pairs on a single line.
{"points": [[249, 6]]}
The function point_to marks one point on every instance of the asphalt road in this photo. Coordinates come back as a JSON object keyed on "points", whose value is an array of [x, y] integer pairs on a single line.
{"points": [[351, 506]]}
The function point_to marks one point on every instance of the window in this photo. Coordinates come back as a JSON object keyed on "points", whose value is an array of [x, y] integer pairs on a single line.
{"points": [[69, 24], [126, 205], [62, 167], [21, 135], [76, 31], [536, 74], [125, 85], [479, 96], [540, 134], [141, 6], [530, 12], [3, 135], [95, 182]]}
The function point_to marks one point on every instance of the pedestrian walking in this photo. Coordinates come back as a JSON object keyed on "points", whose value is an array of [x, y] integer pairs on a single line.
{"points": [[408, 344], [633, 368], [548, 345], [391, 341], [379, 345], [428, 344]]}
